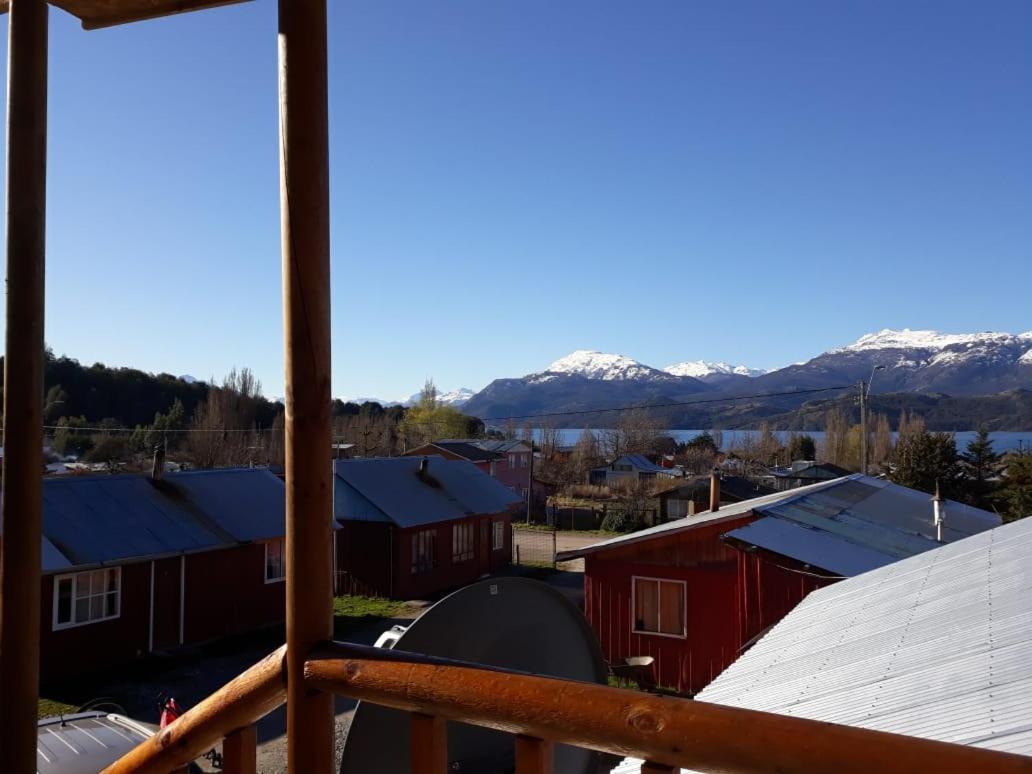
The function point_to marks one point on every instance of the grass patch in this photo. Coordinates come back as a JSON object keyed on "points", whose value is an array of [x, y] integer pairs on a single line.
{"points": [[623, 682], [352, 613], [48, 708]]}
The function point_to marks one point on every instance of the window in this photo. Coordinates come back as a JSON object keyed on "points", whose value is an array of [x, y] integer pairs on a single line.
{"points": [[498, 535], [424, 551], [512, 461], [462, 542], [523, 460], [87, 597], [658, 606], [275, 561]]}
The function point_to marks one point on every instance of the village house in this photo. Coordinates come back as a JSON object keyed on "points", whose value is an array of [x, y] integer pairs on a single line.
{"points": [[933, 646], [411, 527], [507, 461], [628, 468], [691, 593], [680, 498], [802, 473], [137, 564]]}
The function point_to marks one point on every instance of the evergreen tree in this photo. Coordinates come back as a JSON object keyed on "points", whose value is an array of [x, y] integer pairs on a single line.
{"points": [[802, 447], [1016, 493], [980, 465], [924, 458]]}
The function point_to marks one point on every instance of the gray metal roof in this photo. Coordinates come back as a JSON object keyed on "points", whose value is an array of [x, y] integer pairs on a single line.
{"points": [[93, 520], [726, 513], [858, 524], [935, 646], [85, 742], [390, 489], [493, 445]]}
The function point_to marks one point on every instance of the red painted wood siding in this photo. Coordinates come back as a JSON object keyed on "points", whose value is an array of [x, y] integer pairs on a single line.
{"points": [[379, 557], [731, 597]]}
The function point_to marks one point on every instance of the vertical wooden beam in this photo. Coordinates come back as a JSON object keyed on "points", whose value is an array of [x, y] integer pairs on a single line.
{"points": [[23, 383], [534, 756], [304, 213], [240, 751], [429, 739]]}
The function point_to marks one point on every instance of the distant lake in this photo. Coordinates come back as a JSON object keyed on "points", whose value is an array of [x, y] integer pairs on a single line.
{"points": [[1002, 441]]}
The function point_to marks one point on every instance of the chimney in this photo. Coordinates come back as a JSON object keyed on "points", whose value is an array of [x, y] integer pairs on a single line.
{"points": [[938, 512], [714, 490], [158, 468]]}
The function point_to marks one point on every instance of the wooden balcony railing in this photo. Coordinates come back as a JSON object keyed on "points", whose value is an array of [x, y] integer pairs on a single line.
{"points": [[541, 711]]}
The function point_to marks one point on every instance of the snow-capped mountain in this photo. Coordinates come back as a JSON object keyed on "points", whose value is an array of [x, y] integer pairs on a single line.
{"points": [[703, 368], [189, 379], [919, 361], [361, 400], [456, 398], [592, 364], [907, 361]]}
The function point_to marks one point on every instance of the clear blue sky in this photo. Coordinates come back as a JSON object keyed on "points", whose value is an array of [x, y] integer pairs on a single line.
{"points": [[752, 182]]}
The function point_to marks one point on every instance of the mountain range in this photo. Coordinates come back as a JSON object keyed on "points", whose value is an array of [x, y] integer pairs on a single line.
{"points": [[933, 365]]}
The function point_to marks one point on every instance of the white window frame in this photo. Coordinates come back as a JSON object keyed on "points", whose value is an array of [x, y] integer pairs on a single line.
{"points": [[498, 535], [282, 542], [74, 578], [659, 607]]}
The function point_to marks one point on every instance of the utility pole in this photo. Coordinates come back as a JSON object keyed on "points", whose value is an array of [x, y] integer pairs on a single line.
{"points": [[530, 485], [863, 427]]}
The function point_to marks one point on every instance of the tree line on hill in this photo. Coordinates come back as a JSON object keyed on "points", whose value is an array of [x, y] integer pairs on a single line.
{"points": [[117, 416]]}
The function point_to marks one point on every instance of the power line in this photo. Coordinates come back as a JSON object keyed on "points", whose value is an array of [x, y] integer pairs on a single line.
{"points": [[579, 412], [730, 399]]}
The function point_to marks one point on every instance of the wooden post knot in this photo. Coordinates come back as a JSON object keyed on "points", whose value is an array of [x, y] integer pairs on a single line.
{"points": [[353, 669], [164, 737], [640, 719]]}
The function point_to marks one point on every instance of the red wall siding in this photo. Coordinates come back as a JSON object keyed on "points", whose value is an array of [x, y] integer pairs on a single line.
{"points": [[731, 597], [365, 560], [516, 478], [769, 588], [70, 652], [369, 553], [226, 593]]}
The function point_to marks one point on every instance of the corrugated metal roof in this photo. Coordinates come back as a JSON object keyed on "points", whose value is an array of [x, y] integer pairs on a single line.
{"points": [[466, 450], [858, 524], [248, 503], [726, 512], [92, 520], [935, 646], [391, 488]]}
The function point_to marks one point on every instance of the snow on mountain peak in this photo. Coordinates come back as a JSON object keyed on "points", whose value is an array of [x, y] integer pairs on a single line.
{"points": [[600, 365], [909, 339], [700, 368]]}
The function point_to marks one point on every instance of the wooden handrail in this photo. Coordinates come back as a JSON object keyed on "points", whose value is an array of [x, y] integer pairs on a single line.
{"points": [[664, 730], [239, 703]]}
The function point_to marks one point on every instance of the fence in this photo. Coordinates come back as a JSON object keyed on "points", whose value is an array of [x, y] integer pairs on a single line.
{"points": [[534, 547]]}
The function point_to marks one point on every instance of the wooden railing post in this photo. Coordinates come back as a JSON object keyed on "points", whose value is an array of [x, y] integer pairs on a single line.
{"points": [[20, 555], [304, 213], [240, 751], [429, 738], [534, 756]]}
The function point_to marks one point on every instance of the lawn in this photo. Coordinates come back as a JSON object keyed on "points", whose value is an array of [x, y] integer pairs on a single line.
{"points": [[352, 613], [48, 708]]}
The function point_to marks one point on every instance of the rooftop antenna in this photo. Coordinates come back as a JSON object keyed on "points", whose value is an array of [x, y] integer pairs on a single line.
{"points": [[939, 512]]}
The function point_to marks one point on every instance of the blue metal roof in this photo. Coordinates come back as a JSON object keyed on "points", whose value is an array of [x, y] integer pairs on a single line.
{"points": [[92, 520], [856, 524], [392, 489]]}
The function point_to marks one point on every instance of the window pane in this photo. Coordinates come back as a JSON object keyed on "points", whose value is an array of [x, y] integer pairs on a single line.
{"points": [[111, 604], [64, 601], [97, 582], [646, 605], [112, 580], [96, 607], [671, 614], [82, 609]]}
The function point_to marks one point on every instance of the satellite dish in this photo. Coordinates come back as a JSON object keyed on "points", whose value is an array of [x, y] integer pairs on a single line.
{"points": [[514, 623]]}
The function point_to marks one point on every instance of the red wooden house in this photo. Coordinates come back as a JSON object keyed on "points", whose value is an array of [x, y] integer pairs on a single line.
{"points": [[694, 592], [507, 461], [411, 527], [135, 564]]}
